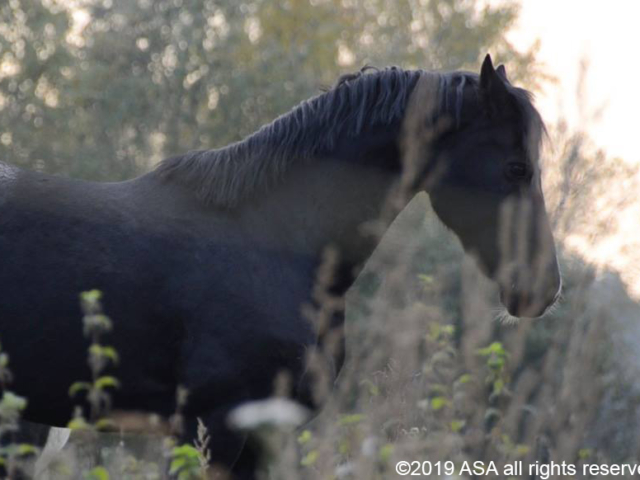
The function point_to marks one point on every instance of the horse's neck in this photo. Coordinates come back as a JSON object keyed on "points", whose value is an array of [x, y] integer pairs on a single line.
{"points": [[325, 203]]}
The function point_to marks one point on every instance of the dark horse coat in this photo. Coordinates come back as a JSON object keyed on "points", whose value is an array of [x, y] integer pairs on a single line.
{"points": [[206, 262]]}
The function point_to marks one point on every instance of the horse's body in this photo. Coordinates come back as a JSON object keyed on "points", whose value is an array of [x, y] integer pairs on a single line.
{"points": [[207, 262], [165, 277]]}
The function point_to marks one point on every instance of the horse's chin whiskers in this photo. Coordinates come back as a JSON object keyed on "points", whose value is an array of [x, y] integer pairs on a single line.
{"points": [[505, 318], [553, 308]]}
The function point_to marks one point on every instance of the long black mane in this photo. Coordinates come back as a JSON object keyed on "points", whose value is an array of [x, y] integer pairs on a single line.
{"points": [[369, 98]]}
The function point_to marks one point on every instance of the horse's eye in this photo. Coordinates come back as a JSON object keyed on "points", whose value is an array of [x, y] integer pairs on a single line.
{"points": [[517, 171]]}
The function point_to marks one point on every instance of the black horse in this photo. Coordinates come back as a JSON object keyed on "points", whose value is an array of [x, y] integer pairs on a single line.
{"points": [[207, 261]]}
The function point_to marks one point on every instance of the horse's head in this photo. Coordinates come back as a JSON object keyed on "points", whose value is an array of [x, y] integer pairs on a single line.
{"points": [[484, 184]]}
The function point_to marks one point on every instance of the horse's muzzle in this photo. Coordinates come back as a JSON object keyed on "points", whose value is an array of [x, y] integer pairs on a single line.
{"points": [[524, 297], [529, 303]]}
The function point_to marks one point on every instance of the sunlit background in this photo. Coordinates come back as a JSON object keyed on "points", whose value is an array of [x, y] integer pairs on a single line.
{"points": [[591, 50], [604, 36]]}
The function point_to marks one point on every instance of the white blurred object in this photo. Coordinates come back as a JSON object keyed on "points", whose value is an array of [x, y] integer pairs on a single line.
{"points": [[272, 412], [56, 440]]}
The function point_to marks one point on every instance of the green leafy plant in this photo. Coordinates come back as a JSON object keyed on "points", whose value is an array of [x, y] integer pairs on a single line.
{"points": [[186, 463], [97, 391], [11, 408], [496, 357], [97, 473], [95, 325]]}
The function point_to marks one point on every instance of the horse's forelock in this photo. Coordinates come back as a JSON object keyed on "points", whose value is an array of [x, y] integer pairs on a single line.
{"points": [[533, 128]]}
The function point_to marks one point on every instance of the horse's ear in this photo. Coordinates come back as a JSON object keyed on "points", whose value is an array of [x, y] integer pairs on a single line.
{"points": [[492, 84], [502, 72]]}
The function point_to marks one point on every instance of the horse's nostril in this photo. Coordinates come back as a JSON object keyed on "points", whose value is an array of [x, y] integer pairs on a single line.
{"points": [[511, 301], [513, 305]]}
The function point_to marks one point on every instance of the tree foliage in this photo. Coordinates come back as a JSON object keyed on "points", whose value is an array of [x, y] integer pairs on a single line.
{"points": [[100, 89]]}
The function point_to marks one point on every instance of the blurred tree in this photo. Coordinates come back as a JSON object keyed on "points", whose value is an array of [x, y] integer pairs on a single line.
{"points": [[33, 61], [102, 90]]}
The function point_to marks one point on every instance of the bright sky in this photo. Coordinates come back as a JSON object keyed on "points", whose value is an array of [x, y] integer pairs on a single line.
{"points": [[607, 33]]}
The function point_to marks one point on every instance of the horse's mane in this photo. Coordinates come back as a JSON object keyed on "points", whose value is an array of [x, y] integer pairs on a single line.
{"points": [[371, 97]]}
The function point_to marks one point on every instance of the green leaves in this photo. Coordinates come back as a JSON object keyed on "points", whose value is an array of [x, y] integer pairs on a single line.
{"points": [[385, 452], [100, 356], [18, 450], [495, 359], [585, 453], [106, 382], [5, 373], [100, 384], [79, 423], [11, 406], [106, 352], [352, 419], [91, 299], [185, 463], [495, 349], [104, 424], [371, 387], [511, 449], [25, 449], [438, 403], [427, 282], [96, 323], [305, 437], [78, 387], [440, 333], [11, 401], [457, 425], [309, 459], [97, 473]]}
